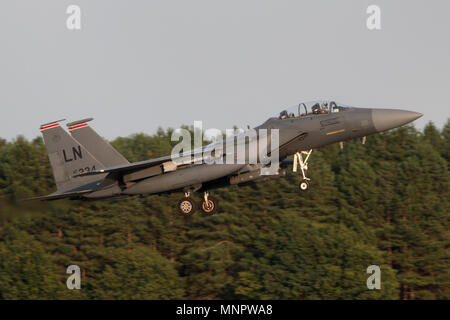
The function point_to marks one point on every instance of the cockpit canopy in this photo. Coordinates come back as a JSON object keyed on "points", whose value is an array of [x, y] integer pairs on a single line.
{"points": [[312, 108]]}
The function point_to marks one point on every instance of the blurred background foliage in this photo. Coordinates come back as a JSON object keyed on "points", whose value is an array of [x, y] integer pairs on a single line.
{"points": [[384, 203]]}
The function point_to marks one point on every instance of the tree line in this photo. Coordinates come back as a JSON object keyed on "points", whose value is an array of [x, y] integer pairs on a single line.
{"points": [[384, 203]]}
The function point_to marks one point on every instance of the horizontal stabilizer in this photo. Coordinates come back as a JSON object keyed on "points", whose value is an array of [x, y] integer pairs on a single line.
{"points": [[56, 196]]}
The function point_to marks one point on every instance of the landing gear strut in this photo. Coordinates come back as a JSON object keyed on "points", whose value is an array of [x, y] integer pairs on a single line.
{"points": [[298, 159], [186, 206], [208, 205]]}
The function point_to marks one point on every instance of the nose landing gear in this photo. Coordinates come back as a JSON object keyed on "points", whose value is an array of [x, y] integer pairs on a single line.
{"points": [[303, 163], [304, 185]]}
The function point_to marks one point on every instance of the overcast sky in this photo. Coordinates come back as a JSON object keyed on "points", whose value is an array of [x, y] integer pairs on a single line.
{"points": [[137, 65]]}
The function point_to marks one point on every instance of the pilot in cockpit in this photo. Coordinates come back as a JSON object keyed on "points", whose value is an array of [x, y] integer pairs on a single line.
{"points": [[315, 108], [324, 109], [283, 114]]}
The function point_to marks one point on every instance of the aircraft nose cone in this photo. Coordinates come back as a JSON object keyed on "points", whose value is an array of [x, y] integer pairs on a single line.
{"points": [[385, 119]]}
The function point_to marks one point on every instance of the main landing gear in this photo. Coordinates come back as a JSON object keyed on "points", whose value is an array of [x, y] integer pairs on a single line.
{"points": [[209, 205], [187, 206], [303, 163]]}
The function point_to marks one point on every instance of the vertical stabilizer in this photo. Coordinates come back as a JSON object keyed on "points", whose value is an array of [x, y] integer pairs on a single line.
{"points": [[68, 158], [95, 144]]}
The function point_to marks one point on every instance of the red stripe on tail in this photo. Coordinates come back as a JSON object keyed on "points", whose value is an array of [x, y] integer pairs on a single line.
{"points": [[53, 125], [78, 126]]}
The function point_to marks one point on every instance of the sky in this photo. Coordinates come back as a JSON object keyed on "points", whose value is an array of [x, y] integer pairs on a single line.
{"points": [[138, 65]]}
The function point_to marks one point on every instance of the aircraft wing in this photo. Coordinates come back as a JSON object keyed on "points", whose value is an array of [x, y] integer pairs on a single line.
{"points": [[143, 169]]}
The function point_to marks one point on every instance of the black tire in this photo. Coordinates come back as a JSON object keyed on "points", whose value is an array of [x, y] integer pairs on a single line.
{"points": [[303, 185], [209, 208], [186, 207]]}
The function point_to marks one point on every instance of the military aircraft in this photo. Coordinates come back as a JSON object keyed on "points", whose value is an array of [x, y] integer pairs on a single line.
{"points": [[86, 167]]}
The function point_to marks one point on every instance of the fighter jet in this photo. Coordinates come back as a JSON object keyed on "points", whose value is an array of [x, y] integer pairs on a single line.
{"points": [[86, 167]]}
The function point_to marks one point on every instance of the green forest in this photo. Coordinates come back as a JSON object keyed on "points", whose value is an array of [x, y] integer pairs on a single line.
{"points": [[383, 203]]}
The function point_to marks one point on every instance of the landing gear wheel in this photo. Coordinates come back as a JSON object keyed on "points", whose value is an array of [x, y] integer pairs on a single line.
{"points": [[210, 206], [304, 185], [186, 207], [298, 160]]}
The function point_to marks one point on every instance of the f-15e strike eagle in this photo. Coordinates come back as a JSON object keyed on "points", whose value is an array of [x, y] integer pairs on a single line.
{"points": [[87, 167]]}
